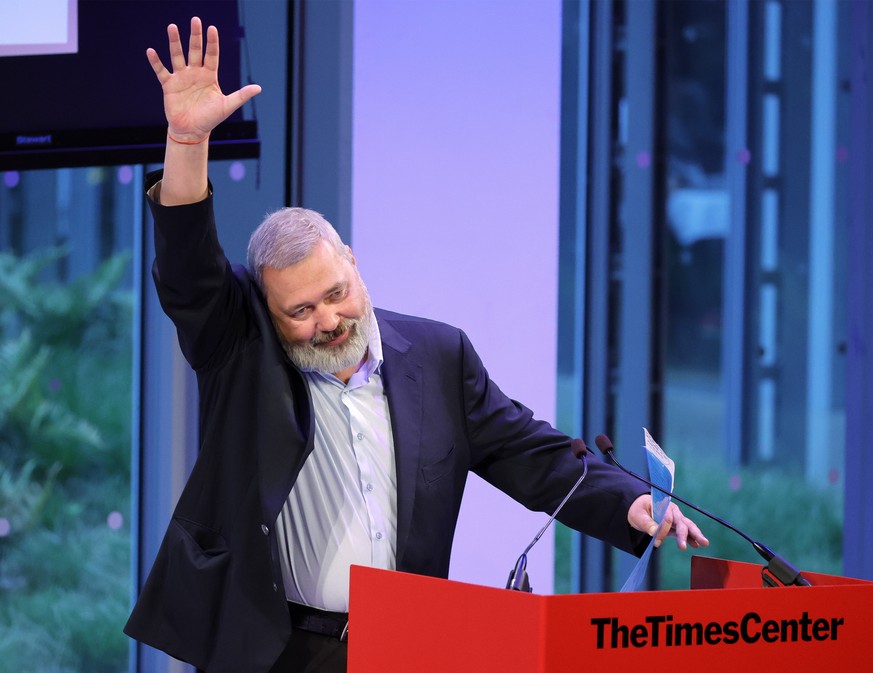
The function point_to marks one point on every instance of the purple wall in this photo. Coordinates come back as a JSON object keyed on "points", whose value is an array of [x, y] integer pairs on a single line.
{"points": [[455, 208]]}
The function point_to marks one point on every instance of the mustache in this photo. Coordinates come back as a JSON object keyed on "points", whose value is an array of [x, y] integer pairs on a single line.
{"points": [[344, 326]]}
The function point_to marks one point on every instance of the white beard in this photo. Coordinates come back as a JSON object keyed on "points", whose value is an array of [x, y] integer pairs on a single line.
{"points": [[313, 356]]}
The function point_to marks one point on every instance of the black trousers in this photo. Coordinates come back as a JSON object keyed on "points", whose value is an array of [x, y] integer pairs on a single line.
{"points": [[308, 652]]}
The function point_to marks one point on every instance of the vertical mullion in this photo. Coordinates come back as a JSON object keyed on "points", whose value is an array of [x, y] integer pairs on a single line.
{"points": [[594, 571], [737, 151], [637, 317], [858, 544]]}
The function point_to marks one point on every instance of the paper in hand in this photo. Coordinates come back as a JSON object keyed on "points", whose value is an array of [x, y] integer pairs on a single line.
{"points": [[661, 473]]}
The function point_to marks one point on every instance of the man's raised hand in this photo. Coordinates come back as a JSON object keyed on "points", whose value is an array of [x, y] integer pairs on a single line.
{"points": [[193, 101]]}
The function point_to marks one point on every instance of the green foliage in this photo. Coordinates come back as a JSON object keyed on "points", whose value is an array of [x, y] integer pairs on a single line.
{"points": [[30, 419], [73, 592], [23, 498], [801, 522], [56, 313], [65, 407]]}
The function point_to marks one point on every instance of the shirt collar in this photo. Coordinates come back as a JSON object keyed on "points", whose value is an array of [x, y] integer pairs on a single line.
{"points": [[371, 364], [374, 355]]}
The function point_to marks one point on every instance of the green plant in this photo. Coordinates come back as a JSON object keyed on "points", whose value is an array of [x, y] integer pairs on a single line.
{"points": [[23, 498], [57, 313], [32, 423], [65, 407], [801, 522]]}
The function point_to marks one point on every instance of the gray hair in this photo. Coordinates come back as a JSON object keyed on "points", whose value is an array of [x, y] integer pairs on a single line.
{"points": [[286, 237]]}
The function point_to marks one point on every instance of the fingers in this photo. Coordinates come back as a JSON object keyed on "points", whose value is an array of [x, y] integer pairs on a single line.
{"points": [[239, 98], [195, 48], [686, 532], [674, 524], [211, 62], [195, 43], [696, 538], [667, 527], [177, 57], [155, 61]]}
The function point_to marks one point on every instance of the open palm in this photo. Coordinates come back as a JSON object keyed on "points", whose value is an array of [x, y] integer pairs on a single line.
{"points": [[193, 101]]}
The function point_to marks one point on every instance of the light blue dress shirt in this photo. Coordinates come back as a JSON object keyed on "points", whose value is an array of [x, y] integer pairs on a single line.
{"points": [[342, 509]]}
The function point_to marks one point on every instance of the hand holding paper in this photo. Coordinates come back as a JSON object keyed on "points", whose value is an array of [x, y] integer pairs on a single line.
{"points": [[674, 524], [655, 514]]}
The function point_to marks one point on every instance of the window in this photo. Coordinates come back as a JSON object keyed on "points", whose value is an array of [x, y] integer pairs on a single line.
{"points": [[67, 310], [755, 149], [714, 167]]}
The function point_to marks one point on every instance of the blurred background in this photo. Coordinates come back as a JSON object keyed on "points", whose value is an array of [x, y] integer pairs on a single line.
{"points": [[644, 214]]}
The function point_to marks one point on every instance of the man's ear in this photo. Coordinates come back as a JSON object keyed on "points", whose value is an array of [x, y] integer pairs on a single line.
{"points": [[351, 255]]}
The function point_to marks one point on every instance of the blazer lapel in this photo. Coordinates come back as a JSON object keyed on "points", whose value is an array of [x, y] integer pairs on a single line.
{"points": [[402, 378]]}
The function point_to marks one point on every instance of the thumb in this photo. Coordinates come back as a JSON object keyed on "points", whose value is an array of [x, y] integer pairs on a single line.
{"points": [[239, 98]]}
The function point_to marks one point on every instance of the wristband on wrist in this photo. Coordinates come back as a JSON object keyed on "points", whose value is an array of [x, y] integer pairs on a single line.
{"points": [[187, 142]]}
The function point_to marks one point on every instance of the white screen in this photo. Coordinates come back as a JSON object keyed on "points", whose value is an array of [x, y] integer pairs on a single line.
{"points": [[38, 27]]}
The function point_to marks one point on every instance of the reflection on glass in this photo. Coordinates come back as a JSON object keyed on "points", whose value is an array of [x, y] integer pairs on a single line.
{"points": [[697, 205], [786, 487], [65, 419]]}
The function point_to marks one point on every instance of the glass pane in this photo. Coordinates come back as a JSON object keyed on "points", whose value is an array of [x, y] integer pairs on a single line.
{"points": [[697, 218], [783, 485], [66, 318]]}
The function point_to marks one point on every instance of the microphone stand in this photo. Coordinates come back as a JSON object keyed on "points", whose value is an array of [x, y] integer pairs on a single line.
{"points": [[518, 579], [778, 571]]}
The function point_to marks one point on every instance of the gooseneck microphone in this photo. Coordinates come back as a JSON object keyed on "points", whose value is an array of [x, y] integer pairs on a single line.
{"points": [[518, 579], [778, 570]]}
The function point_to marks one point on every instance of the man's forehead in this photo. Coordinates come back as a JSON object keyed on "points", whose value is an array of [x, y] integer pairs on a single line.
{"points": [[323, 258], [307, 280]]}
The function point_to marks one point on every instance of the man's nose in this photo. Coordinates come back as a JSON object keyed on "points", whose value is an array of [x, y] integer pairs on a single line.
{"points": [[327, 319]]}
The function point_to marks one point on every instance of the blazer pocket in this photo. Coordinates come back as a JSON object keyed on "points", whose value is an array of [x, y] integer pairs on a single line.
{"points": [[198, 558], [437, 470], [207, 541]]}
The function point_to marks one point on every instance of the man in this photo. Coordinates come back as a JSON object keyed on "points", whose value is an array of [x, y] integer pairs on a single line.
{"points": [[331, 433]]}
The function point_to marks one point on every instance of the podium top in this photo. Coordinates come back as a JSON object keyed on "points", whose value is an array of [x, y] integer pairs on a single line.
{"points": [[401, 623], [716, 573]]}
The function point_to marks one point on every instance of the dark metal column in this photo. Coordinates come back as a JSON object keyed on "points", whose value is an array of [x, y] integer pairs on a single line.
{"points": [[858, 542]]}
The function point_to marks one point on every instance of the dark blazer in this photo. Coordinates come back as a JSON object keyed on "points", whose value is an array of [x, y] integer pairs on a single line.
{"points": [[214, 596]]}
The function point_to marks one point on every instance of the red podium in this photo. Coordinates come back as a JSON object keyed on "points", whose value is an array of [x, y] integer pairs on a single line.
{"points": [[402, 623]]}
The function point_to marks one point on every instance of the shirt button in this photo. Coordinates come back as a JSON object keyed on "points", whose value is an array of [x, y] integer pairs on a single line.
{"points": [[369, 487], [378, 536], [360, 435], [264, 529]]}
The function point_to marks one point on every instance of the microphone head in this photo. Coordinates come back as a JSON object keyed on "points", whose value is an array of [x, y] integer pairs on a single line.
{"points": [[604, 444], [578, 447]]}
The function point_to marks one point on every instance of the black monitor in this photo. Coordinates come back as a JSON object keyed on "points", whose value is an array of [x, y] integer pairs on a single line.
{"points": [[101, 104]]}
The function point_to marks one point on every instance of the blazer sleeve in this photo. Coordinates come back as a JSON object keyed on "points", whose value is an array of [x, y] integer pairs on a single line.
{"points": [[196, 285], [532, 462]]}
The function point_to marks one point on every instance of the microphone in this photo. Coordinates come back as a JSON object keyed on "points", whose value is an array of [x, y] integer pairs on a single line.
{"points": [[518, 579], [778, 571]]}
